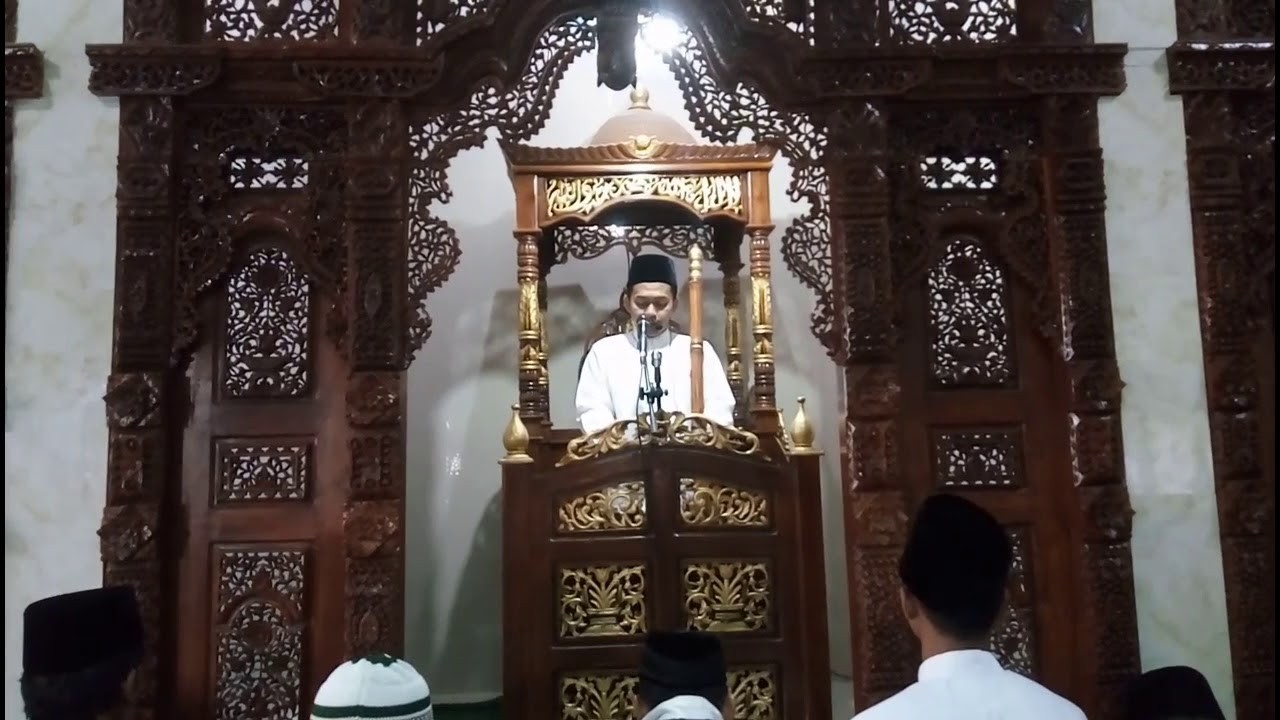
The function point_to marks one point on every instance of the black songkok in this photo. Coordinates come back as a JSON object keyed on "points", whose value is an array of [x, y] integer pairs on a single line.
{"points": [[651, 269], [956, 562], [81, 631], [683, 663], [1173, 692]]}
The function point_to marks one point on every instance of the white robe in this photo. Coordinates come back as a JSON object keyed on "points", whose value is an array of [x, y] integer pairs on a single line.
{"points": [[684, 707], [971, 685], [609, 386]]}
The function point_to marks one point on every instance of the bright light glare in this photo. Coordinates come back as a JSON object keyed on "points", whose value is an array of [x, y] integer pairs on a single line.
{"points": [[661, 33]]}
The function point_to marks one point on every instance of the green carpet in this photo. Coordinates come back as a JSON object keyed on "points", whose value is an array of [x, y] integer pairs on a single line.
{"points": [[490, 710]]}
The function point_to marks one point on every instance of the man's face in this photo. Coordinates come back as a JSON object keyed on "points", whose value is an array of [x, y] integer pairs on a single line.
{"points": [[655, 301]]}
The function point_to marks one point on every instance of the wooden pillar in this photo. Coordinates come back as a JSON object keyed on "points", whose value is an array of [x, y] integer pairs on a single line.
{"points": [[729, 257], [764, 404], [1075, 195], [141, 384], [377, 165], [857, 162]]}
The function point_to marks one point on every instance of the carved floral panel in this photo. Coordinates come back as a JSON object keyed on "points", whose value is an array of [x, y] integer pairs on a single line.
{"points": [[268, 323], [260, 634], [255, 20], [970, 343]]}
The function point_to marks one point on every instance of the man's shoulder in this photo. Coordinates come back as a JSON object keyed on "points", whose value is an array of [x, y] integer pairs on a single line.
{"points": [[1055, 706], [905, 703], [609, 342], [918, 701]]}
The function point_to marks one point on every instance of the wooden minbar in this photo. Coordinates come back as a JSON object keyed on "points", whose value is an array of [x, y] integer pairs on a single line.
{"points": [[686, 525]]}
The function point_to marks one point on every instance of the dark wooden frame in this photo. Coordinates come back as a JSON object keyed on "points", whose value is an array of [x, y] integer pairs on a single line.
{"points": [[23, 80], [842, 82], [1224, 68]]}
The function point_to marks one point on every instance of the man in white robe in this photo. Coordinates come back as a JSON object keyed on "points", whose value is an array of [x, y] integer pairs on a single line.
{"points": [[610, 382], [954, 571], [683, 676]]}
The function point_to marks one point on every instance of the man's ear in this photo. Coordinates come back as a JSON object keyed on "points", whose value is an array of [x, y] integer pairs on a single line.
{"points": [[910, 606]]}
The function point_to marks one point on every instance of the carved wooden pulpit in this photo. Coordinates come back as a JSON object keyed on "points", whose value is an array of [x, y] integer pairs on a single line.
{"points": [[687, 525]]}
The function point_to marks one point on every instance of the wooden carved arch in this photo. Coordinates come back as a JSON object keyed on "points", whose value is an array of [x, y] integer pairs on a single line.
{"points": [[415, 91]]}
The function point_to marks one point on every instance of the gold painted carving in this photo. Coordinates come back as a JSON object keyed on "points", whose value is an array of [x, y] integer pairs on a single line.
{"points": [[727, 596], [762, 319], [615, 507], [677, 429], [598, 697], [599, 600], [733, 341], [544, 352], [754, 692], [703, 193], [530, 333], [705, 502]]}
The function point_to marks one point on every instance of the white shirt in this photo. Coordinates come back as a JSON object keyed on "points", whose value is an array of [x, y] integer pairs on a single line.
{"points": [[609, 387], [971, 685], [684, 707]]}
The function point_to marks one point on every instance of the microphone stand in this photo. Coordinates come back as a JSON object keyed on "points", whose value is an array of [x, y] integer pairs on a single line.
{"points": [[655, 401], [646, 384], [651, 391]]}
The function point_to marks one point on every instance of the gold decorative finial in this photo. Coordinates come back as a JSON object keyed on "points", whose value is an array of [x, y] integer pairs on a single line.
{"points": [[695, 263], [516, 440], [802, 432], [639, 98]]}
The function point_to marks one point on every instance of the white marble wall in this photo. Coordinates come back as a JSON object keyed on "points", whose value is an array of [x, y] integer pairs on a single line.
{"points": [[58, 336], [57, 347], [1177, 555]]}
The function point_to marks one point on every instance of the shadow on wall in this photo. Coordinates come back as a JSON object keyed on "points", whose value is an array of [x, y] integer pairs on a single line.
{"points": [[461, 388], [468, 643]]}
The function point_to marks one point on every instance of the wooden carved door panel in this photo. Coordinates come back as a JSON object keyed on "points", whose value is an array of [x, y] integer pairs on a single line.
{"points": [[260, 575], [983, 408]]}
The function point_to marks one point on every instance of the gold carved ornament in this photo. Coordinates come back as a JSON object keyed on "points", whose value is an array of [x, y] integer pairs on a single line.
{"points": [[609, 696], [706, 502], [724, 596], [705, 194], [677, 429], [762, 316], [802, 433], [601, 600], [755, 693], [614, 507], [515, 440], [530, 332]]}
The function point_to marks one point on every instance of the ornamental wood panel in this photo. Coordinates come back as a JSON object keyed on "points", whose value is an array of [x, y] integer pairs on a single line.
{"points": [[984, 394], [375, 98], [1223, 66], [606, 548], [260, 578]]}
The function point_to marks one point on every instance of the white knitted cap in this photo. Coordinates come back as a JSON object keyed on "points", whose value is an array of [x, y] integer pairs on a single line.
{"points": [[378, 687]]}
